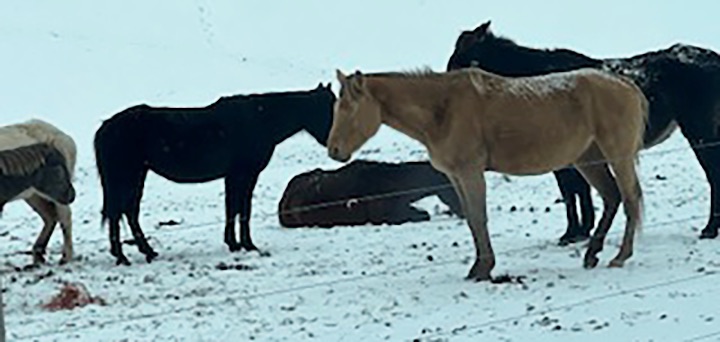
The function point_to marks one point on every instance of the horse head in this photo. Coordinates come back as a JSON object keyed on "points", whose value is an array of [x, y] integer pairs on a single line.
{"points": [[470, 45], [357, 117], [54, 180], [319, 122]]}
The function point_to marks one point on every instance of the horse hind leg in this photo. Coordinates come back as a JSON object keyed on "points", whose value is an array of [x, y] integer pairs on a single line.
{"points": [[48, 213], [65, 217], [629, 186], [597, 173], [116, 199], [133, 216]]}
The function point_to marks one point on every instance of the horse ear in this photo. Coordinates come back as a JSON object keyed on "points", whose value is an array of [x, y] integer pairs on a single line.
{"points": [[482, 29], [329, 86], [320, 86], [340, 76], [358, 82]]}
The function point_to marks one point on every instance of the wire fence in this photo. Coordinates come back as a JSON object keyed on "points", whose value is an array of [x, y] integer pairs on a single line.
{"points": [[69, 327], [380, 196]]}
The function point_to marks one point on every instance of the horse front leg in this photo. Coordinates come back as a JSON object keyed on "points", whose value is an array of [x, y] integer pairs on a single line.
{"points": [[709, 158], [246, 191], [704, 137], [232, 207], [570, 183], [47, 212], [471, 189], [64, 214]]}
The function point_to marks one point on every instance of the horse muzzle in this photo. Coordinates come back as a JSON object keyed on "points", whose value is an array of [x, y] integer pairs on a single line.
{"points": [[69, 196], [335, 154]]}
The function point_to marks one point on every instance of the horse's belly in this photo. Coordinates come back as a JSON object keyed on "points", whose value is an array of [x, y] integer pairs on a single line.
{"points": [[188, 167], [532, 153]]}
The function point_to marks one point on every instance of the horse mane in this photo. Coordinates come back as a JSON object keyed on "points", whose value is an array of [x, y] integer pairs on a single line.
{"points": [[25, 160], [420, 72], [504, 42]]}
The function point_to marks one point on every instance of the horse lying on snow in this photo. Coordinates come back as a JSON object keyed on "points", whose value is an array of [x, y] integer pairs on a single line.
{"points": [[37, 163], [232, 138], [364, 192]]}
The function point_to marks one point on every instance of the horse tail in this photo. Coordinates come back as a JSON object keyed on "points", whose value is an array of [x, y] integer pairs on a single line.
{"points": [[100, 162], [112, 148], [643, 107]]}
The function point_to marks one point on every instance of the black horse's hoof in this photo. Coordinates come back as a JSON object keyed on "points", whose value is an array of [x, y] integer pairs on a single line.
{"points": [[150, 256], [122, 260], [709, 233], [568, 239], [234, 247], [248, 246]]}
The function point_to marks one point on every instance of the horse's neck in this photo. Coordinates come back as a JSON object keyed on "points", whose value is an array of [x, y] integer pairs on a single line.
{"points": [[408, 105], [524, 61], [12, 186], [285, 120]]}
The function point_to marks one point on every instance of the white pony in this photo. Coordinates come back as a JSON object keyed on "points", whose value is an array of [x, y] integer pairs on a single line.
{"points": [[32, 132]]}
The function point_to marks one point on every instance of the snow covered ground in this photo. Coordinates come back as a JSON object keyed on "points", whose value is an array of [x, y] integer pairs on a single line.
{"points": [[76, 63]]}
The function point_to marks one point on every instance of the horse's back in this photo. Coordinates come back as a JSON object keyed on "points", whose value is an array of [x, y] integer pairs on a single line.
{"points": [[38, 131]]}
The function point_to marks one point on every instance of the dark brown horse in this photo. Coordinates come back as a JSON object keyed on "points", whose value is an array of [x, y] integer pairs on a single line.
{"points": [[364, 192], [682, 84]]}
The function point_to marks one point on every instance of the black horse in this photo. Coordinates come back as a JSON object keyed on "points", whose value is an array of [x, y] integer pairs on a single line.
{"points": [[682, 84], [232, 138]]}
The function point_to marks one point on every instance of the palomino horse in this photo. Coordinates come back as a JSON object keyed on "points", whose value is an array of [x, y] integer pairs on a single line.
{"points": [[682, 84], [471, 120], [232, 138], [53, 207], [364, 192]]}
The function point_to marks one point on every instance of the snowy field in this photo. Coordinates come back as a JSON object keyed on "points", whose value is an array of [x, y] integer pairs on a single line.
{"points": [[75, 63]]}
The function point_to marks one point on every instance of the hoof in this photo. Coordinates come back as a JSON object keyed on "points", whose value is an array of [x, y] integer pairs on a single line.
{"points": [[479, 278], [65, 261], [234, 247], [248, 246], [709, 233], [571, 239], [591, 261], [616, 263], [149, 257], [39, 258], [122, 260], [477, 273]]}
